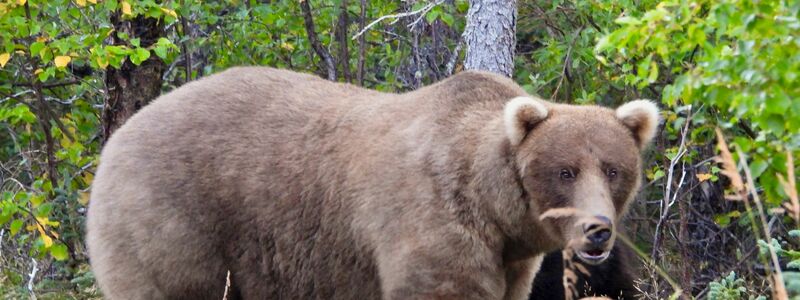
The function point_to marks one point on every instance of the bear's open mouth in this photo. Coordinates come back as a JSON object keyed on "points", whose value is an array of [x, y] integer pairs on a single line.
{"points": [[594, 256]]}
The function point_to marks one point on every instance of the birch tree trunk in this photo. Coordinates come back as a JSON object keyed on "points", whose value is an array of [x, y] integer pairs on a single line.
{"points": [[490, 36]]}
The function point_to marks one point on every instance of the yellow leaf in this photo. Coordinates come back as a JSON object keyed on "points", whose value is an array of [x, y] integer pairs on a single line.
{"points": [[88, 178], [43, 220], [83, 198], [92, 1], [4, 59], [126, 8], [287, 46], [703, 176], [41, 39], [80, 3], [62, 61], [103, 63], [21, 2], [169, 12], [38, 71], [36, 200], [46, 239], [672, 117], [65, 142]]}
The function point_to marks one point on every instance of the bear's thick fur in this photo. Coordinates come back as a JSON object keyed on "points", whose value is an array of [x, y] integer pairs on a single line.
{"points": [[303, 188]]}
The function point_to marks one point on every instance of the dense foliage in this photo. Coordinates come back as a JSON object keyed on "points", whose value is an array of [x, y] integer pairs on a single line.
{"points": [[728, 64]]}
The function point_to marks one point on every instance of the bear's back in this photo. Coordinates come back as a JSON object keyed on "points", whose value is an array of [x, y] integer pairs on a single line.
{"points": [[251, 169], [213, 170]]}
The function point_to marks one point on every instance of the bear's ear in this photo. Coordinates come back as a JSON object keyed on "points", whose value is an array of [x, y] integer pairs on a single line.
{"points": [[520, 115], [641, 117]]}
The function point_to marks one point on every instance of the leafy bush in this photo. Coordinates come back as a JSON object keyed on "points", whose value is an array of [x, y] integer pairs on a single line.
{"points": [[730, 288], [736, 59]]}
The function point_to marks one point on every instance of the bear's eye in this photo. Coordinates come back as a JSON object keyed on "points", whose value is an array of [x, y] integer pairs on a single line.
{"points": [[611, 172], [567, 174]]}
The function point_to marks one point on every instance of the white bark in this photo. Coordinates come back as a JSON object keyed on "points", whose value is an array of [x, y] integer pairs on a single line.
{"points": [[490, 36]]}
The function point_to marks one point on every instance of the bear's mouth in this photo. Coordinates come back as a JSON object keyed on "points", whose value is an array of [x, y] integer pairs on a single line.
{"points": [[594, 256]]}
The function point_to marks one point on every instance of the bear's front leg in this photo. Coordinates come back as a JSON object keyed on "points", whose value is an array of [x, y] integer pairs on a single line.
{"points": [[460, 270], [519, 277]]}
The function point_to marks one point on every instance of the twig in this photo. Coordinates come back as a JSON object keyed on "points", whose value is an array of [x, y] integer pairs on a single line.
{"points": [[669, 198], [187, 34], [451, 64], [32, 277], [227, 286], [50, 85], [422, 11], [677, 290], [790, 187], [779, 290], [43, 119], [744, 189], [565, 68], [417, 60]]}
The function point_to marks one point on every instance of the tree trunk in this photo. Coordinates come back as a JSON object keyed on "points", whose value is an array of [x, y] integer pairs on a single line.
{"points": [[490, 36], [131, 87], [342, 39], [362, 22]]}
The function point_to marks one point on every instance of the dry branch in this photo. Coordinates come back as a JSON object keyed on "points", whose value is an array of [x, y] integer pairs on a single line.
{"points": [[743, 193], [422, 11]]}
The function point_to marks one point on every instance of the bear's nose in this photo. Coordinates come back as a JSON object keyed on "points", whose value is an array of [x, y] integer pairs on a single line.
{"points": [[599, 231]]}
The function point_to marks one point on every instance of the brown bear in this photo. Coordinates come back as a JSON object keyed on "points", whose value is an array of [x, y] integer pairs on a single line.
{"points": [[301, 188]]}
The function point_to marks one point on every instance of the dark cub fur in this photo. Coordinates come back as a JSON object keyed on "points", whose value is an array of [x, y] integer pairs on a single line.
{"points": [[613, 278]]}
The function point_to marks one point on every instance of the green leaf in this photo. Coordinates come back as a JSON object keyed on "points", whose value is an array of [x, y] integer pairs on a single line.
{"points": [[722, 220], [139, 55], [653, 72], [775, 123], [757, 167], [44, 210], [628, 20], [659, 174], [16, 225], [447, 19], [59, 252], [432, 16], [36, 48]]}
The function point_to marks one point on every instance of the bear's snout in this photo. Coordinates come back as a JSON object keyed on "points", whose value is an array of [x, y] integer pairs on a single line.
{"points": [[599, 231], [597, 240]]}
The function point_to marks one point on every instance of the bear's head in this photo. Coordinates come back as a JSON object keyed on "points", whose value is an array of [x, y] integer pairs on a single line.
{"points": [[578, 167]]}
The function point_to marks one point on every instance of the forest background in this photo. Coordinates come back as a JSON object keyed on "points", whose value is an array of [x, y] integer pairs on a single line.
{"points": [[708, 224]]}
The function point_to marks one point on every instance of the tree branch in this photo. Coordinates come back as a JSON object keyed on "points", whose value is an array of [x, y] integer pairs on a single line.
{"points": [[314, 40], [49, 85], [361, 44], [187, 60], [421, 11]]}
